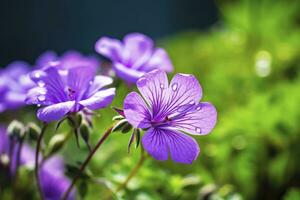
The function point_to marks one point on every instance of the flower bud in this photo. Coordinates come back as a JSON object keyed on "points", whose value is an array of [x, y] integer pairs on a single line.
{"points": [[85, 131], [15, 129], [117, 118], [137, 134], [56, 143], [33, 130], [4, 159], [127, 127], [119, 125]]}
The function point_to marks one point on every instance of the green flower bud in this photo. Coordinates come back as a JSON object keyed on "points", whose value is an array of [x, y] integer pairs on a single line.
{"points": [[16, 129], [85, 131], [33, 130], [126, 128], [119, 125], [56, 143]]}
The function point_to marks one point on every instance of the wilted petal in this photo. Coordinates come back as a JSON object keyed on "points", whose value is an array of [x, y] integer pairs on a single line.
{"points": [[201, 119], [99, 100], [55, 111], [110, 48], [128, 74], [137, 49], [154, 88], [136, 111], [159, 142]]}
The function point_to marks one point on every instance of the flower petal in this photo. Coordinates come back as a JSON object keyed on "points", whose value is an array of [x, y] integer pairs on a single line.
{"points": [[110, 48], [136, 111], [138, 50], [199, 120], [184, 91], [55, 111], [159, 60], [99, 100], [127, 74], [79, 79], [182, 148], [154, 88], [99, 82]]}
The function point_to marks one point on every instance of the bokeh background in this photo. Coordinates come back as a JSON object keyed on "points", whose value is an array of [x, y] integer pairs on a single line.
{"points": [[246, 55]]}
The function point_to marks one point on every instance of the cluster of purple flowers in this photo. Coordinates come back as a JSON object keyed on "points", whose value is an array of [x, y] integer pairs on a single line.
{"points": [[66, 85]]}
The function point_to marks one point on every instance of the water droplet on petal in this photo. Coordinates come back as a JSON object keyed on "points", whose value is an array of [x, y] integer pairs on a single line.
{"points": [[162, 86], [91, 82], [37, 75], [38, 105], [141, 82], [41, 83], [198, 130], [198, 108], [41, 98], [192, 102], [174, 86]]}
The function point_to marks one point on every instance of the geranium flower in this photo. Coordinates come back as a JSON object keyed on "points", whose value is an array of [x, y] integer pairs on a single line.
{"points": [[133, 57], [167, 112], [64, 91]]}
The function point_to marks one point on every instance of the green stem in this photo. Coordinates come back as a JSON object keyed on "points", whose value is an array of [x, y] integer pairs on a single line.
{"points": [[85, 163], [36, 169], [133, 172]]}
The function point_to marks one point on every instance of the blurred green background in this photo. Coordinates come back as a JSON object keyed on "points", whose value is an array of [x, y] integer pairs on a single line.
{"points": [[248, 65]]}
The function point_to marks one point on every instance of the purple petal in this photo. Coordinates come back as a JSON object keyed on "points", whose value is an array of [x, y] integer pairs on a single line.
{"points": [[52, 81], [138, 49], [201, 119], [99, 82], [99, 100], [159, 60], [127, 74], [54, 165], [184, 91], [110, 48], [136, 111], [73, 59], [154, 88], [48, 56], [79, 79], [159, 142], [55, 111]]}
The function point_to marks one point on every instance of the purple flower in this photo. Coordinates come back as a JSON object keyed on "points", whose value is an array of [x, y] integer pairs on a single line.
{"points": [[64, 91], [53, 181], [133, 57], [167, 112], [14, 84], [15, 81]]}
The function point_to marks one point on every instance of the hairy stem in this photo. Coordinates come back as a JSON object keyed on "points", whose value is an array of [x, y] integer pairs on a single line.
{"points": [[85, 163], [36, 169]]}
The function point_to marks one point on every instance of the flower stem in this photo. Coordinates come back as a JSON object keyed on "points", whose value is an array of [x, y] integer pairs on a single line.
{"points": [[36, 169], [84, 164], [133, 172]]}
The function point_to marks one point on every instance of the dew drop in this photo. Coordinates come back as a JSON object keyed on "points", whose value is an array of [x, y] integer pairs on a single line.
{"points": [[37, 75], [141, 82], [174, 86], [41, 83], [41, 98], [38, 105], [198, 130], [161, 86], [91, 82], [198, 108], [43, 92], [192, 102]]}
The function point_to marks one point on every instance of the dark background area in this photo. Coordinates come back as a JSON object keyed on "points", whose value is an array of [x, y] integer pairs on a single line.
{"points": [[31, 27]]}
